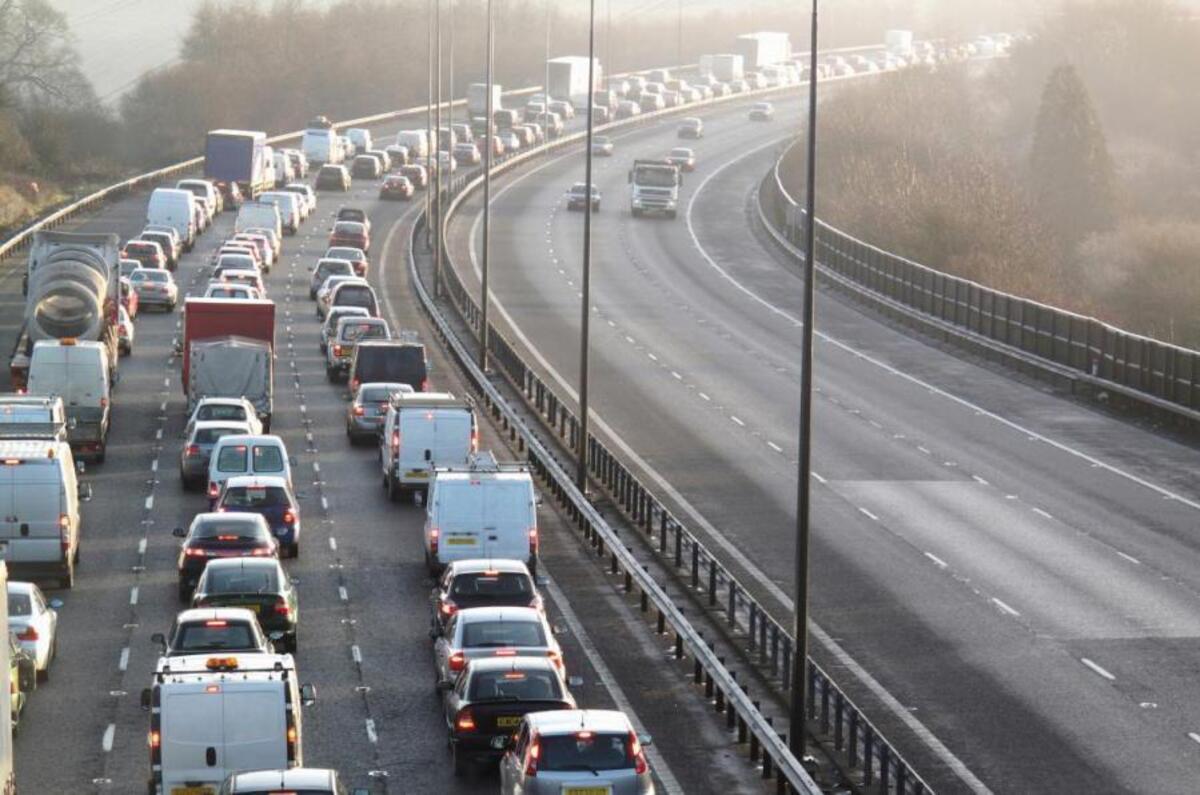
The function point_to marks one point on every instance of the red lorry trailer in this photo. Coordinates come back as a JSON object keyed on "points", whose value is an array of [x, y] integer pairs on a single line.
{"points": [[222, 339]]}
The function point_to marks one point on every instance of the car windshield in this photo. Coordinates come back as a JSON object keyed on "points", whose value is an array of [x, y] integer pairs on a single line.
{"points": [[585, 750], [491, 584], [239, 580], [268, 458], [377, 394], [19, 604], [214, 636], [211, 435], [221, 412], [229, 529], [656, 177], [483, 634], [513, 685], [345, 252], [255, 497]]}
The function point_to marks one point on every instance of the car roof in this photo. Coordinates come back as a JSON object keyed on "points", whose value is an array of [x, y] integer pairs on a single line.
{"points": [[472, 615], [297, 777], [252, 438], [221, 401], [567, 721], [243, 563], [215, 516], [476, 565], [523, 662], [215, 613], [204, 424], [251, 481], [16, 586]]}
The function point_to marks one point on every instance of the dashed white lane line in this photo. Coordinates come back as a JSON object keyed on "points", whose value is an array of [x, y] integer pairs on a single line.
{"points": [[133, 595], [1129, 558], [818, 478], [1194, 737], [652, 357], [676, 376], [317, 467], [1043, 514], [979, 480], [1006, 608], [123, 662], [345, 597], [924, 450], [774, 447], [142, 546], [868, 514], [356, 653], [372, 737], [630, 340], [874, 424], [937, 561], [158, 434], [1097, 669], [333, 543], [704, 396], [154, 465], [150, 502], [324, 503], [106, 742], [738, 421]]}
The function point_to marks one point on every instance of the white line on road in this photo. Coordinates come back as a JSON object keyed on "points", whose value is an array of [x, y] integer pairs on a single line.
{"points": [[154, 465], [676, 376], [818, 478], [324, 503], [979, 480], [652, 357], [133, 595], [345, 597], [123, 662], [317, 467], [333, 543], [142, 547], [1097, 669], [924, 450], [372, 737], [704, 396], [775, 447], [1000, 604], [868, 514], [356, 653], [1194, 737], [106, 742], [1042, 513], [738, 421], [941, 563], [1129, 558], [158, 434], [629, 339], [150, 502]]}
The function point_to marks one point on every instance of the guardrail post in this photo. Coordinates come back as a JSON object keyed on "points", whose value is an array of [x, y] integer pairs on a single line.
{"points": [[695, 565], [712, 583], [885, 767], [852, 746], [732, 609], [868, 754], [678, 546]]}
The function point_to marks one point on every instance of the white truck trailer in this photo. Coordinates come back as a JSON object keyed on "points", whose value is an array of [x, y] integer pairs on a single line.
{"points": [[759, 49], [477, 95], [568, 79]]}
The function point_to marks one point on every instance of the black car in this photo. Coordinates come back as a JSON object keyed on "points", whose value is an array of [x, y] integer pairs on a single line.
{"points": [[483, 583], [389, 360], [257, 584], [220, 535], [490, 697]]}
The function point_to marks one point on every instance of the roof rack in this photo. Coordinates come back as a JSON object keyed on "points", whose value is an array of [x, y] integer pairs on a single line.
{"points": [[485, 461]]}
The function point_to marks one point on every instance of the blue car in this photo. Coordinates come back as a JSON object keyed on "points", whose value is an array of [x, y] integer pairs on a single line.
{"points": [[271, 497]]}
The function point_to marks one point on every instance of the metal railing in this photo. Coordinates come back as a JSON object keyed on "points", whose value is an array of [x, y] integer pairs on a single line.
{"points": [[1088, 355], [766, 642]]}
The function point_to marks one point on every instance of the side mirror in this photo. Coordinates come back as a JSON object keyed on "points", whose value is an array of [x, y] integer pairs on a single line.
{"points": [[574, 682], [85, 491], [56, 603], [308, 694], [147, 698], [179, 532], [645, 739], [445, 686], [160, 639]]}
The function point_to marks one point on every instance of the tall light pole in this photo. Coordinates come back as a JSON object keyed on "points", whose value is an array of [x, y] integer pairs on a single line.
{"points": [[798, 708], [450, 106], [585, 308], [429, 115], [437, 158], [487, 199], [546, 80], [679, 32]]}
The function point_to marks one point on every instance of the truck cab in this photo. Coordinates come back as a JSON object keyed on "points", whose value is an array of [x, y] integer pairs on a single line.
{"points": [[654, 188]]}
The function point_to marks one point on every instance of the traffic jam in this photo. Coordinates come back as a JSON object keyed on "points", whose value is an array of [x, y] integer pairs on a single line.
{"points": [[226, 700]]}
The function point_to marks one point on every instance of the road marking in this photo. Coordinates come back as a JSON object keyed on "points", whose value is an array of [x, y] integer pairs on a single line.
{"points": [[372, 737], [150, 502], [142, 547], [158, 434], [738, 421], [123, 662], [1129, 558], [324, 503], [604, 674], [868, 514], [817, 477], [356, 653], [874, 424], [1005, 607], [775, 447], [1194, 737], [704, 396], [940, 563], [924, 450], [133, 595], [630, 340], [1097, 669], [154, 465], [106, 742], [979, 480], [345, 597], [333, 543], [676, 376], [317, 467], [1042, 513]]}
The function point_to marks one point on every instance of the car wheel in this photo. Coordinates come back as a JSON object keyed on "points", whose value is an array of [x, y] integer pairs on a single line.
{"points": [[290, 641], [43, 675], [100, 456], [185, 592], [68, 579], [393, 489], [462, 765]]}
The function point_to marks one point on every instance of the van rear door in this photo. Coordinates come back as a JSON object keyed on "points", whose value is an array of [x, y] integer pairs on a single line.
{"points": [[460, 516], [451, 437], [507, 519], [192, 732], [30, 505], [255, 726]]}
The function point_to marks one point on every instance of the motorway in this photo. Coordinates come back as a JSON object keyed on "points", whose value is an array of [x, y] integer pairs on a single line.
{"points": [[1016, 570], [363, 588]]}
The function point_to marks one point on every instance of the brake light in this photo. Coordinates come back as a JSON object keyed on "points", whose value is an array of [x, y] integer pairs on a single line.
{"points": [[474, 440], [192, 450], [555, 658], [535, 750], [533, 541], [154, 740], [458, 661], [636, 754], [434, 534], [281, 607], [103, 402], [359, 411], [216, 623], [28, 634], [506, 652], [424, 384], [64, 522], [395, 442], [465, 721], [354, 382], [291, 734], [213, 489], [289, 518], [192, 552], [448, 608]]}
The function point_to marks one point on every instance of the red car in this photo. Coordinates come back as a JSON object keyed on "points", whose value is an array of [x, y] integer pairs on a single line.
{"points": [[148, 253], [350, 233], [396, 186]]}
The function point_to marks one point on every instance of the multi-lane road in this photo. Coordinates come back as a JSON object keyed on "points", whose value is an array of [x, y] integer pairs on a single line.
{"points": [[363, 588], [1018, 571]]}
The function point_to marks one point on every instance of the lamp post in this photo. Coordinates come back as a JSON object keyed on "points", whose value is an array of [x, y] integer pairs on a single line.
{"points": [[798, 707], [487, 201], [437, 155], [585, 306], [429, 115]]}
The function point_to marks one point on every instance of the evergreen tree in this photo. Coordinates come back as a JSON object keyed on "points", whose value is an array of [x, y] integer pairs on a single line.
{"points": [[1072, 172]]}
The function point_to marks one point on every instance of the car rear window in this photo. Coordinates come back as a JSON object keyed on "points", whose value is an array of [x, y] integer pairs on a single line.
{"points": [[353, 332], [238, 580], [238, 528], [268, 458], [199, 637], [344, 252], [585, 751], [377, 395], [220, 412], [211, 435], [485, 634], [512, 685], [255, 497], [484, 584], [19, 604], [400, 363], [348, 227], [327, 269], [356, 295]]}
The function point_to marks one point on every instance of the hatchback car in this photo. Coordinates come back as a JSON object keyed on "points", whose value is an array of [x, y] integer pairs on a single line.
{"points": [[683, 157], [368, 409], [691, 128], [236, 411], [483, 583], [366, 167], [602, 146], [567, 751], [466, 154], [350, 233], [261, 244], [398, 154], [125, 332], [198, 446], [206, 630], [416, 174], [298, 780], [34, 621], [328, 266], [155, 288], [577, 197], [762, 111], [171, 247], [333, 177], [147, 252], [220, 535], [489, 699], [329, 326], [484, 632], [355, 256], [273, 498], [256, 584], [233, 456], [229, 290], [396, 186], [325, 292]]}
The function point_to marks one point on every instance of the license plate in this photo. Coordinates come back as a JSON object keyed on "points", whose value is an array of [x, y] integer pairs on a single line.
{"points": [[418, 473], [508, 721], [460, 541], [204, 790], [586, 791]]}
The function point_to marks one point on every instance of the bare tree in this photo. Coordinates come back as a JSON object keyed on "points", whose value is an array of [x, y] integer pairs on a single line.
{"points": [[37, 59]]}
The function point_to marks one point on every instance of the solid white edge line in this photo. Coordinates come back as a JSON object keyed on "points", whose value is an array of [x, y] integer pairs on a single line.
{"points": [[659, 765], [1005, 607], [1097, 669], [868, 514], [1129, 558], [1044, 514], [941, 563], [1194, 737]]}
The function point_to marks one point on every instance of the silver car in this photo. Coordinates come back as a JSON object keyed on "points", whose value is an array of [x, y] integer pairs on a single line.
{"points": [[481, 632], [155, 286], [575, 752], [368, 409]]}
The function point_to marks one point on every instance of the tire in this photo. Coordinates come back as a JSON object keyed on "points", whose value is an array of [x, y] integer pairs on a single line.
{"points": [[100, 456], [394, 492], [43, 675], [185, 593], [293, 550], [636, 212], [462, 766], [67, 581], [330, 375], [290, 641]]}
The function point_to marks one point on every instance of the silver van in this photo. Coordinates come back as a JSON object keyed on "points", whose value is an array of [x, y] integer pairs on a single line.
{"points": [[32, 417], [78, 371], [39, 510]]}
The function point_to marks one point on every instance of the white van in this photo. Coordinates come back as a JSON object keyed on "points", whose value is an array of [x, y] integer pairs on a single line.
{"points": [[321, 147], [424, 430], [285, 172], [269, 166], [174, 208], [234, 456], [33, 417], [39, 510], [416, 141], [482, 510], [361, 138], [288, 205], [212, 715], [79, 372], [260, 215]]}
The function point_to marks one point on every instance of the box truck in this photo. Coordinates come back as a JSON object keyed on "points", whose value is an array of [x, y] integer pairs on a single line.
{"points": [[228, 351], [568, 79], [237, 156], [477, 96], [760, 49]]}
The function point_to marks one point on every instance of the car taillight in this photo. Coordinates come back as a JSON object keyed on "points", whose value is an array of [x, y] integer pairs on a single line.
{"points": [[434, 534], [458, 661], [213, 489], [289, 518], [281, 607], [535, 750], [337, 350], [261, 552], [474, 440], [533, 540], [636, 754], [396, 447], [359, 411], [293, 737], [555, 658], [64, 533], [193, 552], [424, 384], [192, 450], [465, 721], [28, 634], [103, 402], [354, 382]]}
